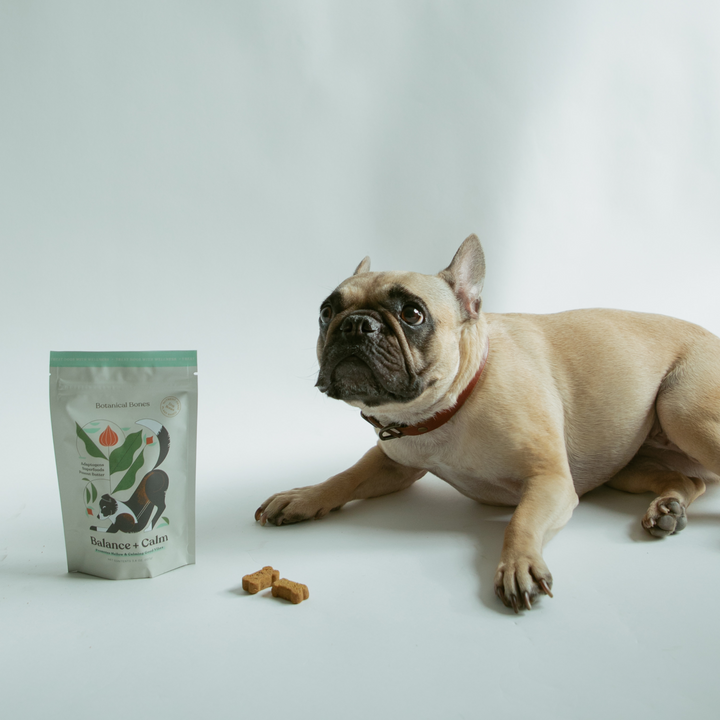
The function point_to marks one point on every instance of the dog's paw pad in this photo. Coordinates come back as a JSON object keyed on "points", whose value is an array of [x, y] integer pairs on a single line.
{"points": [[665, 516]]}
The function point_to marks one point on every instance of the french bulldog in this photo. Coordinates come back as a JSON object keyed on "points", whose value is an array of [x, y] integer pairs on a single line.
{"points": [[530, 411]]}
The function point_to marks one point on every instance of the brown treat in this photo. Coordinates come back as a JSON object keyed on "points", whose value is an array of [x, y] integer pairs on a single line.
{"points": [[260, 580], [289, 590]]}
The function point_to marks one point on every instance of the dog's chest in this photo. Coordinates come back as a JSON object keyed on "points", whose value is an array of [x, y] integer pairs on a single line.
{"points": [[483, 479], [484, 489]]}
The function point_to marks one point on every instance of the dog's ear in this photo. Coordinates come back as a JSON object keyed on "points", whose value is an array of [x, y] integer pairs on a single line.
{"points": [[465, 275], [363, 267]]}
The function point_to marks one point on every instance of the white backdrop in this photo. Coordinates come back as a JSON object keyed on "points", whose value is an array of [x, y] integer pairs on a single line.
{"points": [[201, 174]]}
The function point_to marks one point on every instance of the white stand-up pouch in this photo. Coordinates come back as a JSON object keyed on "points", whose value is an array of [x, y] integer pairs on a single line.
{"points": [[124, 427]]}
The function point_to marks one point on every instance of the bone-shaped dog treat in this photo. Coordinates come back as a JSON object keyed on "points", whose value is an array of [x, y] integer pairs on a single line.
{"points": [[289, 590], [260, 580]]}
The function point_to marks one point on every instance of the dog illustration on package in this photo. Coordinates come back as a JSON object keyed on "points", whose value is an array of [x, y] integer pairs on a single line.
{"points": [[145, 507]]}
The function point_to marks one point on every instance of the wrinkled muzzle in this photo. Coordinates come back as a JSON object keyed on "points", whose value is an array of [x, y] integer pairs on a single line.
{"points": [[362, 361]]}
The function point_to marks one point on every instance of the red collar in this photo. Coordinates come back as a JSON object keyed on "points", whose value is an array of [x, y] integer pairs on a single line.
{"points": [[392, 431]]}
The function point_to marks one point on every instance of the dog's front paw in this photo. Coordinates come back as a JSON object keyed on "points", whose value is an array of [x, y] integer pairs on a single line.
{"points": [[520, 579], [296, 505], [665, 516]]}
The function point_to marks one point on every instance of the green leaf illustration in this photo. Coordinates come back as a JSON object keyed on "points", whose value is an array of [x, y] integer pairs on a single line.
{"points": [[90, 446], [121, 457], [128, 479], [167, 522], [87, 496], [94, 493]]}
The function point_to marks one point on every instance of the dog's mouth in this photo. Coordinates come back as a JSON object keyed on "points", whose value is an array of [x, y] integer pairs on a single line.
{"points": [[356, 377], [353, 369], [352, 379]]}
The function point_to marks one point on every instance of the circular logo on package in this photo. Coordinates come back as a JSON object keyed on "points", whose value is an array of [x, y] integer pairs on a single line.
{"points": [[170, 406]]}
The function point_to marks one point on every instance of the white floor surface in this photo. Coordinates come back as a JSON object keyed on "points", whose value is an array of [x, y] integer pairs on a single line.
{"points": [[401, 622]]}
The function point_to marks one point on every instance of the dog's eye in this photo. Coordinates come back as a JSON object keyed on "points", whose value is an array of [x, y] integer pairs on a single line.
{"points": [[326, 314], [411, 315]]}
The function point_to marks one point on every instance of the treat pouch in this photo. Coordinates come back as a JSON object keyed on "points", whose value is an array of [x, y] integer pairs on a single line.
{"points": [[124, 428]]}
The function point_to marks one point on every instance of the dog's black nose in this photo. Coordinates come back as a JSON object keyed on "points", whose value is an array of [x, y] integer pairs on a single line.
{"points": [[356, 325]]}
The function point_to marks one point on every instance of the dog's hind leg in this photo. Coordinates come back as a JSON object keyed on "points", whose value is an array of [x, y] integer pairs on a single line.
{"points": [[667, 514], [156, 484], [160, 508], [688, 403], [685, 450]]}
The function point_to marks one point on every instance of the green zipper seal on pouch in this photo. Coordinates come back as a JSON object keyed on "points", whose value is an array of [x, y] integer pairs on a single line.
{"points": [[182, 358]]}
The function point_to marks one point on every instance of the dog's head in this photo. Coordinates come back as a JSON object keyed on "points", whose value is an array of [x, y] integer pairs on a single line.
{"points": [[394, 342], [108, 507]]}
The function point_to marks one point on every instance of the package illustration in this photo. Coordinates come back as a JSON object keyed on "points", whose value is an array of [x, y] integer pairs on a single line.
{"points": [[124, 429]]}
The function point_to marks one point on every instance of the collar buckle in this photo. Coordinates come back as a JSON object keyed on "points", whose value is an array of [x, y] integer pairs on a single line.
{"points": [[390, 432]]}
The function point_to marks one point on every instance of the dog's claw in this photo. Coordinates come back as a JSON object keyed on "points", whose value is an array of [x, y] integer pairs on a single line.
{"points": [[514, 602], [526, 598], [545, 587]]}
